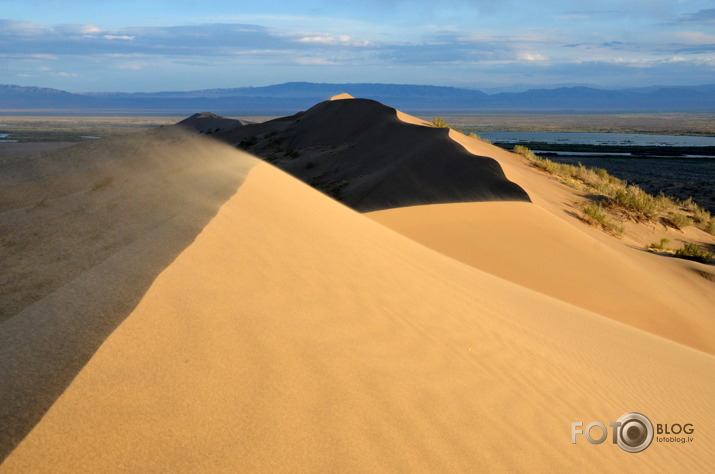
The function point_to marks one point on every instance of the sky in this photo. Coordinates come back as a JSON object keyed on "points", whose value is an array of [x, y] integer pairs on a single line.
{"points": [[147, 45]]}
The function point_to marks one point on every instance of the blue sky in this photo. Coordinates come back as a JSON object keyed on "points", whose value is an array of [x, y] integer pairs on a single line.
{"points": [[149, 45]]}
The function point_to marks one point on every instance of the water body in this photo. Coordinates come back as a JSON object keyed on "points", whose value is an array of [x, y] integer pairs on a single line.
{"points": [[3, 136], [551, 153], [678, 176], [583, 138]]}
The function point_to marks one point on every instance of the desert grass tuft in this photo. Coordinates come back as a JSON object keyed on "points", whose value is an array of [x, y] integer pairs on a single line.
{"points": [[679, 221], [662, 245], [619, 196], [478, 137], [691, 251], [439, 123], [595, 215]]}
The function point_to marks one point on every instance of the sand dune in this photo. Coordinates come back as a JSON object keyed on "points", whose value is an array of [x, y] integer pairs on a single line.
{"points": [[84, 233], [207, 122], [296, 335], [360, 153], [525, 244], [211, 313]]}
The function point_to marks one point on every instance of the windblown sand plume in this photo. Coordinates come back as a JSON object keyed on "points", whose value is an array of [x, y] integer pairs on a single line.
{"points": [[209, 312]]}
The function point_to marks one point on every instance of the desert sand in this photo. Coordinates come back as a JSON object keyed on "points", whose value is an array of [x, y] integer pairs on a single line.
{"points": [[363, 154], [523, 243], [290, 333]]}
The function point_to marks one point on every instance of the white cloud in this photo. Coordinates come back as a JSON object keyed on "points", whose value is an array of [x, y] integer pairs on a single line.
{"points": [[695, 37], [131, 66], [119, 37], [80, 30], [90, 29], [330, 39], [52, 57], [317, 39], [314, 62], [22, 28], [531, 56]]}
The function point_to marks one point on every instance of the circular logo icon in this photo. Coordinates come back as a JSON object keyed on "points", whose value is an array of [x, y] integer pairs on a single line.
{"points": [[635, 433]]}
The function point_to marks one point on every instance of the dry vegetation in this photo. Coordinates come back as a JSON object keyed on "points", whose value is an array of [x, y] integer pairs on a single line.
{"points": [[610, 195], [439, 123]]}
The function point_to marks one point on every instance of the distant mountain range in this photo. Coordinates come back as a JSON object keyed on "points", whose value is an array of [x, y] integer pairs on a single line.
{"points": [[293, 96]]}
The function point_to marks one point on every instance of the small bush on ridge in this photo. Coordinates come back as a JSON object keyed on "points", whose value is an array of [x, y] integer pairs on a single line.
{"points": [[691, 251]]}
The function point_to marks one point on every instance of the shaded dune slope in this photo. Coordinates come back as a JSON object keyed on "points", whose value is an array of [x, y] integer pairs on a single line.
{"points": [[208, 123], [85, 231], [360, 153], [295, 335]]}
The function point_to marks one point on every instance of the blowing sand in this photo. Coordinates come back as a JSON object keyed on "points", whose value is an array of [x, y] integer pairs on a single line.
{"points": [[84, 232], [293, 334]]}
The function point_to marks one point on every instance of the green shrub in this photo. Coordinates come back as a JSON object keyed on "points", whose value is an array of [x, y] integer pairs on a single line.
{"points": [[629, 199], [709, 226], [660, 245], [526, 152], [690, 205], [481, 139], [635, 200], [693, 252], [595, 215], [701, 216], [439, 123], [248, 142], [572, 183], [679, 221]]}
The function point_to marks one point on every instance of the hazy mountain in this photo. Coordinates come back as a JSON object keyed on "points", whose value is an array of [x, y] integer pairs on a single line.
{"points": [[293, 96], [19, 97]]}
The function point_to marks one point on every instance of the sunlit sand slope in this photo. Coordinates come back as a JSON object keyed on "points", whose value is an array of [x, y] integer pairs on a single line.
{"points": [[83, 233], [294, 335], [525, 244]]}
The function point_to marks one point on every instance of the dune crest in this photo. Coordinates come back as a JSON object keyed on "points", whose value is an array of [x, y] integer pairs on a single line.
{"points": [[85, 231], [295, 334], [360, 153], [546, 247], [342, 96]]}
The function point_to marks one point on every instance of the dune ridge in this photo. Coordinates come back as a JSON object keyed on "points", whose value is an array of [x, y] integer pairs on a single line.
{"points": [[328, 342], [84, 234], [360, 153], [546, 247]]}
